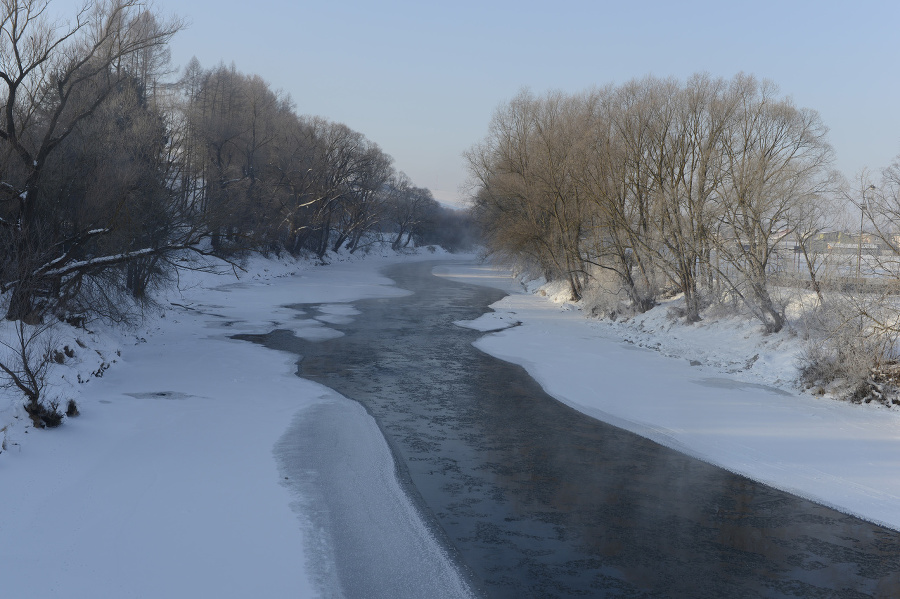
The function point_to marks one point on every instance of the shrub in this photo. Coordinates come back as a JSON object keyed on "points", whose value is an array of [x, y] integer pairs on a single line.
{"points": [[44, 416], [72, 409], [857, 362]]}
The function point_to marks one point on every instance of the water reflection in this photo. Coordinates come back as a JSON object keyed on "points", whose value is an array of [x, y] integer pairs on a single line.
{"points": [[541, 501]]}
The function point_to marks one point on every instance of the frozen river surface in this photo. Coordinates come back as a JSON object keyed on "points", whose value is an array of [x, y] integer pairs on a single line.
{"points": [[527, 496]]}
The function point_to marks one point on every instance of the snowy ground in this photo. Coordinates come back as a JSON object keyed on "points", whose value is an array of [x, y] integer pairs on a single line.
{"points": [[719, 390], [174, 480], [177, 480]]}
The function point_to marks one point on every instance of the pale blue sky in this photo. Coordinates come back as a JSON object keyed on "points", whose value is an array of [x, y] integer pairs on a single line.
{"points": [[422, 79]]}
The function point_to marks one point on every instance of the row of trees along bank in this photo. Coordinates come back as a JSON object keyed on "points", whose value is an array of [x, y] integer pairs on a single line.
{"points": [[108, 171], [655, 184]]}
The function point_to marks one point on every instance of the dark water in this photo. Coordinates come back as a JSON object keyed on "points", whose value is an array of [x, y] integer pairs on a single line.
{"points": [[541, 501]]}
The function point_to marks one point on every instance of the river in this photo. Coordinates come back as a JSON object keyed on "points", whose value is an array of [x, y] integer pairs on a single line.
{"points": [[533, 499]]}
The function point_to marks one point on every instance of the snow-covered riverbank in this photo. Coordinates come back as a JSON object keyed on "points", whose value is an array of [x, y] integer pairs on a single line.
{"points": [[176, 482], [720, 391], [166, 485]]}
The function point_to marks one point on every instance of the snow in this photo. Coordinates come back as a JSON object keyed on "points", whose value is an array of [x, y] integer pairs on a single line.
{"points": [[202, 466], [167, 484], [352, 500], [721, 391]]}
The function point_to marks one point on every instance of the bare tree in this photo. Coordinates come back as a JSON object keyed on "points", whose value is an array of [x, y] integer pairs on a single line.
{"points": [[55, 77], [684, 126], [408, 207], [776, 160], [699, 181], [24, 364], [235, 122], [527, 190], [362, 203], [811, 217]]}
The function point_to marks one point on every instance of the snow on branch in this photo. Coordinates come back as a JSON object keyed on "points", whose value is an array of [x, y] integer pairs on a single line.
{"points": [[83, 265], [74, 242]]}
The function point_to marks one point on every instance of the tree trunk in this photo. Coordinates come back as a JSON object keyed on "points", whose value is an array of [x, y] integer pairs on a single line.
{"points": [[21, 304]]}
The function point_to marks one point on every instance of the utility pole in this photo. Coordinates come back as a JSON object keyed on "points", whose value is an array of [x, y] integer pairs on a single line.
{"points": [[862, 213]]}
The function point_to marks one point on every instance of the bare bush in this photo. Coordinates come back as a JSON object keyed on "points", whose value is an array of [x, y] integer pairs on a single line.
{"points": [[847, 353], [605, 296], [24, 365]]}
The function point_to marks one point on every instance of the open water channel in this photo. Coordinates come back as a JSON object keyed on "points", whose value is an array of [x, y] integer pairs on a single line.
{"points": [[534, 499]]}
